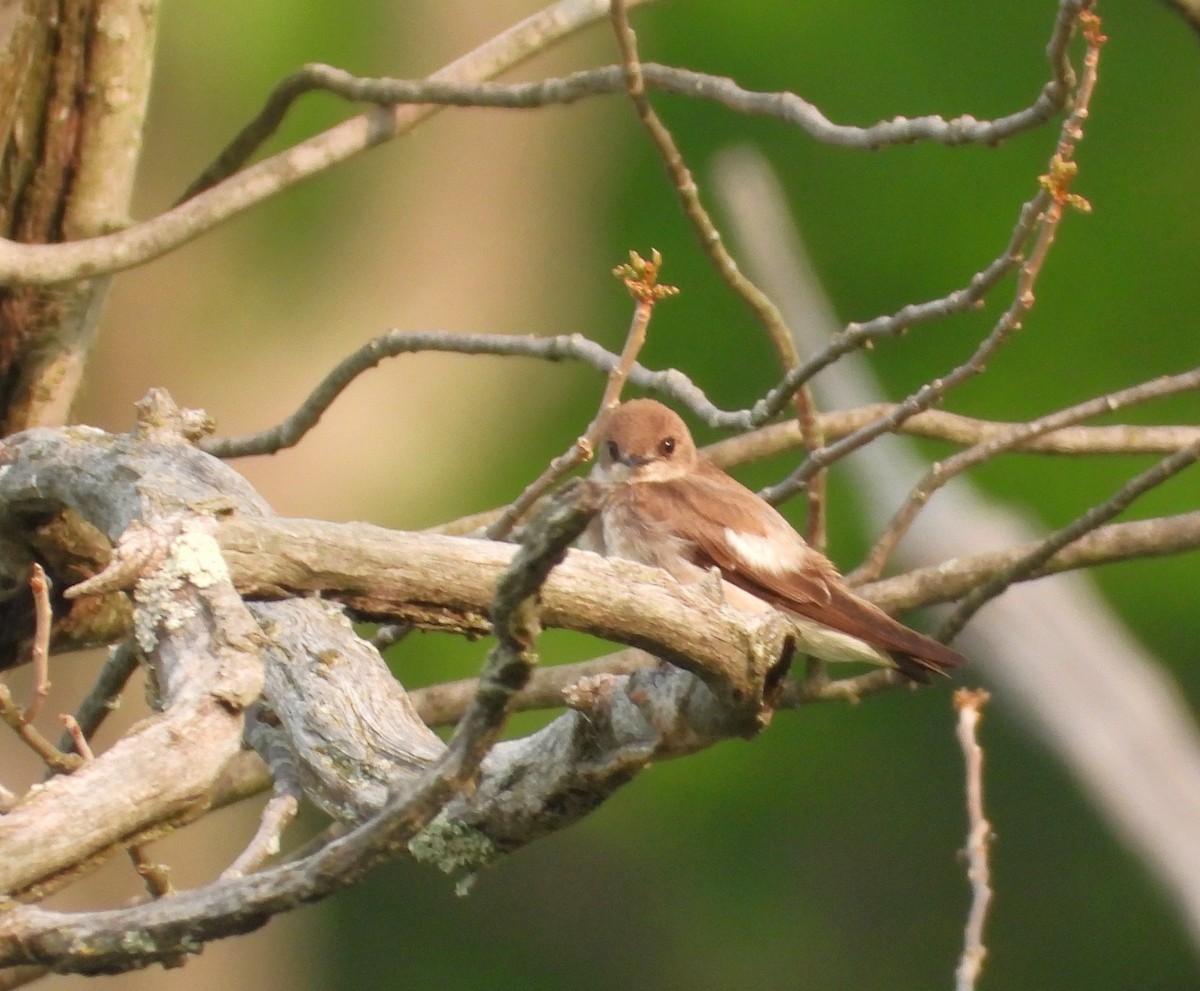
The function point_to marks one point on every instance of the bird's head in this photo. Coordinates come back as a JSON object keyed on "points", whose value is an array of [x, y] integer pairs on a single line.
{"points": [[643, 441]]}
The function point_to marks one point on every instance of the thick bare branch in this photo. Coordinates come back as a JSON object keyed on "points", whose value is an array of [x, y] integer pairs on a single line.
{"points": [[75, 100], [204, 645]]}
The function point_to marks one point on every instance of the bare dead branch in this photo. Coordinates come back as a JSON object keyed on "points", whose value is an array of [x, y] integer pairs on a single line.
{"points": [[155, 875], [673, 384], [1045, 211], [443, 704], [280, 810], [944, 471], [213, 200], [960, 430], [969, 704], [46, 264], [157, 878], [78, 740], [514, 614], [1104, 545], [102, 941], [858, 335], [147, 778], [1089, 521], [126, 939], [409, 576], [607, 80], [552, 688], [14, 716]]}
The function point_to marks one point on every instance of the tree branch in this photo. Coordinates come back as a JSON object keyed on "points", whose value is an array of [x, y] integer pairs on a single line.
{"points": [[46, 264], [944, 471]]}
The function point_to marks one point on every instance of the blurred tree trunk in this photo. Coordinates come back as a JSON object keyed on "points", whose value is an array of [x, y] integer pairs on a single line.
{"points": [[74, 82]]}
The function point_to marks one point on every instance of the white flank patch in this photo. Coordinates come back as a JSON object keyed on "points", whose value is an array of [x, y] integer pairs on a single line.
{"points": [[776, 557]]}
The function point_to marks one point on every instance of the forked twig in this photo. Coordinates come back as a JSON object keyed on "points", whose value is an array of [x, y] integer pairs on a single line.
{"points": [[105, 695], [50, 755], [1044, 212]]}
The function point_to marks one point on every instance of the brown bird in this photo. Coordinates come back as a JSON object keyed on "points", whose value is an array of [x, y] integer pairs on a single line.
{"points": [[670, 507]]}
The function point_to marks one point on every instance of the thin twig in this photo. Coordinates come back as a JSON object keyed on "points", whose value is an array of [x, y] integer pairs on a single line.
{"points": [[105, 695], [606, 80], [862, 335], [669, 383], [1033, 561], [969, 704], [156, 877], [676, 387], [39, 656], [951, 580], [944, 471], [73, 730], [53, 758], [641, 279], [442, 705], [263, 735], [1046, 211], [713, 245], [953, 428], [46, 264], [278, 813]]}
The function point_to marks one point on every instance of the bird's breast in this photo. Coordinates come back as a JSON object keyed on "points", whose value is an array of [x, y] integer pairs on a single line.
{"points": [[629, 534]]}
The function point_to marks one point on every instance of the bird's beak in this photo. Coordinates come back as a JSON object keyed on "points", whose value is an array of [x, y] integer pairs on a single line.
{"points": [[635, 460]]}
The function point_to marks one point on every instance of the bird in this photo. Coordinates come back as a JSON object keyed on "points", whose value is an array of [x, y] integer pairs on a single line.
{"points": [[668, 506]]}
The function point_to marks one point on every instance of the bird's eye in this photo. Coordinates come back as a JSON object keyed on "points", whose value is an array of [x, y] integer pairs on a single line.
{"points": [[614, 452], [667, 447]]}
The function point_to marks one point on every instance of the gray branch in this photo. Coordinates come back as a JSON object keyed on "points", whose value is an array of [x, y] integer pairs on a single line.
{"points": [[359, 750]]}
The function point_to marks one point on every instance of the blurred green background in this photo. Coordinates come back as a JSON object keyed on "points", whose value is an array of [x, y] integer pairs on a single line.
{"points": [[824, 855]]}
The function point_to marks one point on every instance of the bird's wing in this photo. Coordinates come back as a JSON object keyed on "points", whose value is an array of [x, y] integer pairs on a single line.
{"points": [[727, 525], [756, 549]]}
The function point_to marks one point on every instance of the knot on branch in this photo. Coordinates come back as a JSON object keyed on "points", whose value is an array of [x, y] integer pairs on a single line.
{"points": [[159, 418]]}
